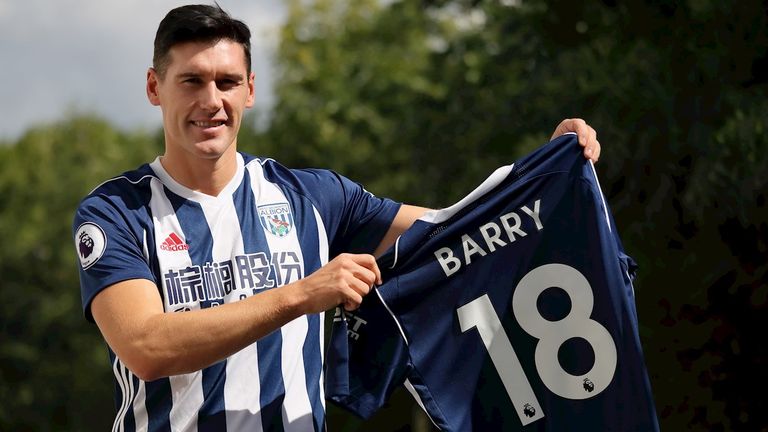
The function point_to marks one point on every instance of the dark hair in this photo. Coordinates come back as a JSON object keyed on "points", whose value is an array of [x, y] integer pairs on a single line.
{"points": [[198, 23]]}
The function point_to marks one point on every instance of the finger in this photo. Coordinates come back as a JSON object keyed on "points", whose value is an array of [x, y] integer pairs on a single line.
{"points": [[564, 126], [596, 151], [583, 131], [590, 143], [364, 275], [357, 269], [368, 262], [580, 127], [350, 305], [359, 286], [353, 302]]}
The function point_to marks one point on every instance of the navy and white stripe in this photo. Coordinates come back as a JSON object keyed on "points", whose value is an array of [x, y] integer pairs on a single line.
{"points": [[203, 251]]}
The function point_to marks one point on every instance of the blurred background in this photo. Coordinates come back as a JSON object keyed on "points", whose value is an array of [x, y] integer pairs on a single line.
{"points": [[418, 100]]}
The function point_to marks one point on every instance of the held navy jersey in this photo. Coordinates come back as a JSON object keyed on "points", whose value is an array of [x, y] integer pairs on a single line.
{"points": [[270, 226], [510, 310]]}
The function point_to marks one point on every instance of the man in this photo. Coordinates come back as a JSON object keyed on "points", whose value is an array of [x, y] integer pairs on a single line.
{"points": [[207, 271]]}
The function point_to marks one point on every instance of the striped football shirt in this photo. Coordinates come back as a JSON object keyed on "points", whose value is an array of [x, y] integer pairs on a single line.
{"points": [[270, 226]]}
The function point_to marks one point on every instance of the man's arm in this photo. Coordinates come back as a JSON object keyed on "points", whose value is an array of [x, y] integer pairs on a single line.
{"points": [[154, 344], [405, 217]]}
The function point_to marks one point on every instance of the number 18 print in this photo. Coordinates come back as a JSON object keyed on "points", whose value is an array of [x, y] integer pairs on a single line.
{"points": [[479, 313]]}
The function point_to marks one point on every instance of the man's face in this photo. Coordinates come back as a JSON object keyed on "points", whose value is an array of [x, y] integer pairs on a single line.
{"points": [[203, 94]]}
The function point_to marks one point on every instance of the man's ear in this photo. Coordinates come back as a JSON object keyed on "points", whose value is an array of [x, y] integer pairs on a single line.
{"points": [[152, 87], [251, 90]]}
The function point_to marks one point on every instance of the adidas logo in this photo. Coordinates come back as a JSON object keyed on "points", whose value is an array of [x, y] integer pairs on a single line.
{"points": [[174, 243]]}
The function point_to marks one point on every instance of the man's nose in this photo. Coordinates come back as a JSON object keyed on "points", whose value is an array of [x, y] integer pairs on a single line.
{"points": [[210, 98]]}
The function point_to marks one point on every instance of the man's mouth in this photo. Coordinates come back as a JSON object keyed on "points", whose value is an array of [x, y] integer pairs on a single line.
{"points": [[208, 124]]}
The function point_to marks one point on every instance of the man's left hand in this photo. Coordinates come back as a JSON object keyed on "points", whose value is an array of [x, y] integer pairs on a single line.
{"points": [[586, 134]]}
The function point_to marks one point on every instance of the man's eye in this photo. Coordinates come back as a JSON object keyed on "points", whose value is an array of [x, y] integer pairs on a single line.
{"points": [[227, 84]]}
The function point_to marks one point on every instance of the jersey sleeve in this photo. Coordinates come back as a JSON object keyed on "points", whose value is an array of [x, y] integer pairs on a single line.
{"points": [[364, 220], [108, 251], [367, 358], [356, 219]]}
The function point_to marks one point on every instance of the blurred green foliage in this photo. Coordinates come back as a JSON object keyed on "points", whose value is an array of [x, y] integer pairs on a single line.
{"points": [[54, 372], [419, 101]]}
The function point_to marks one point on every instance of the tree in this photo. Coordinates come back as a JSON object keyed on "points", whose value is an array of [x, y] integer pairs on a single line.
{"points": [[54, 368], [420, 100]]}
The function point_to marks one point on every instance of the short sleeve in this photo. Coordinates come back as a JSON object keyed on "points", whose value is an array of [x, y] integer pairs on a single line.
{"points": [[365, 220], [107, 249]]}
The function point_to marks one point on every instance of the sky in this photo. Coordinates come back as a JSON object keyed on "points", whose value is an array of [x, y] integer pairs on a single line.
{"points": [[91, 56]]}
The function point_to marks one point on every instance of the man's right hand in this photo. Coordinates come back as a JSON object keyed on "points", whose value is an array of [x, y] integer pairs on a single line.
{"points": [[345, 280]]}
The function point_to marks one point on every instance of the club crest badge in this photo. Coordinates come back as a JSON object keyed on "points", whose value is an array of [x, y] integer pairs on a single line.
{"points": [[91, 243], [276, 219]]}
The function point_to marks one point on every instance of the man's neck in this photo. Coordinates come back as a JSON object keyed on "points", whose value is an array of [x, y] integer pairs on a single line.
{"points": [[208, 176]]}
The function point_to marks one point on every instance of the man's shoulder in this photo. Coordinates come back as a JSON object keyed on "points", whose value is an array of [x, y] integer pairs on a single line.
{"points": [[125, 184]]}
